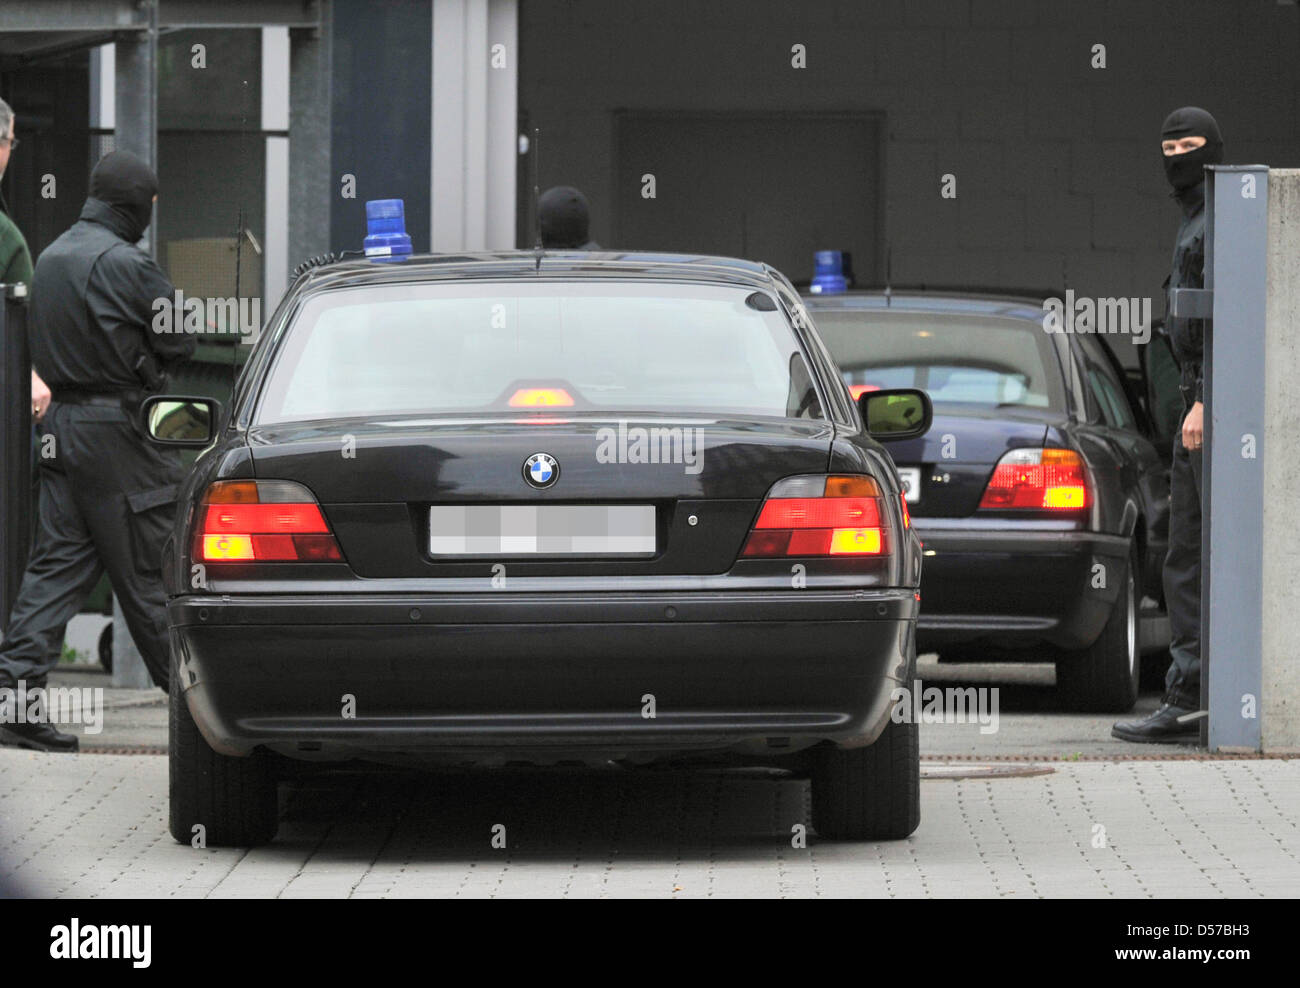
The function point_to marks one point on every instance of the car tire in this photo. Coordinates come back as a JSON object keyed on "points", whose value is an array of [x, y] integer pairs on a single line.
{"points": [[871, 793], [234, 800], [1104, 677]]}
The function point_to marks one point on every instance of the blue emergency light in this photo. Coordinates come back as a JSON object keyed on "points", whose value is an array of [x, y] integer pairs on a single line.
{"points": [[387, 239], [828, 273]]}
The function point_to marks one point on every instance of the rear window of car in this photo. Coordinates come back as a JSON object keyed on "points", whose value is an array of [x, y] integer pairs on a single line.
{"points": [[957, 359], [467, 348]]}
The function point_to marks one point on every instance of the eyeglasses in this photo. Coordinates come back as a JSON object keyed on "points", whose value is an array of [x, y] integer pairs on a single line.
{"points": [[11, 141]]}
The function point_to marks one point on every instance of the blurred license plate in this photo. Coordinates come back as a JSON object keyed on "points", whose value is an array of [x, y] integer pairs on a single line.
{"points": [[542, 530], [911, 478]]}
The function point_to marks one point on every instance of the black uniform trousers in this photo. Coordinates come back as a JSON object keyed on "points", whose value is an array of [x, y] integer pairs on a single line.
{"points": [[1182, 577], [107, 502]]}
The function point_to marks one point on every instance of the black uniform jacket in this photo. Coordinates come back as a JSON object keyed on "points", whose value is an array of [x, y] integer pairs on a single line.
{"points": [[93, 308], [1188, 271]]}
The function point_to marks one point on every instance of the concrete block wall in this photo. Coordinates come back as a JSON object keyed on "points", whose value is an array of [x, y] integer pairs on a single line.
{"points": [[1058, 169]]}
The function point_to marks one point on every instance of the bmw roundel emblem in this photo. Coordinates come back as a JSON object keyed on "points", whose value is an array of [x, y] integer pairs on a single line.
{"points": [[541, 470]]}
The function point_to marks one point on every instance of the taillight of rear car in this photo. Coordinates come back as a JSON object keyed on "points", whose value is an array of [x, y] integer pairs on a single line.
{"points": [[856, 391], [256, 521], [1038, 479], [818, 515]]}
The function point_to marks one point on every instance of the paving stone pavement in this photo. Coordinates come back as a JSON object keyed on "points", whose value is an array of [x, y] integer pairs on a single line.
{"points": [[94, 825]]}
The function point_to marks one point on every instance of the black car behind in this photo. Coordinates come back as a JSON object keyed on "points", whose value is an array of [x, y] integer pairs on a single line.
{"points": [[1041, 492]]}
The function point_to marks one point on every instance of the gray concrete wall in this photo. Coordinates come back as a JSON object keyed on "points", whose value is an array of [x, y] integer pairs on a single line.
{"points": [[1057, 164], [1280, 703]]}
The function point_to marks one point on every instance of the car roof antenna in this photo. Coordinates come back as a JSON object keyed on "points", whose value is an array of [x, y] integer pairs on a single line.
{"points": [[537, 212]]}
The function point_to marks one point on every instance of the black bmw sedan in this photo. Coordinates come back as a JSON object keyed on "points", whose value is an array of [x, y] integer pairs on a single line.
{"points": [[541, 507], [1041, 493]]}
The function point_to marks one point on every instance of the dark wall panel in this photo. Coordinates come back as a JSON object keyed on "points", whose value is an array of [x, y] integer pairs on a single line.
{"points": [[51, 104], [381, 113], [1056, 163], [740, 185]]}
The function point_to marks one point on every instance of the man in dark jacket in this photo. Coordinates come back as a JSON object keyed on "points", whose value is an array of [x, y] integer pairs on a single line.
{"points": [[1190, 140], [107, 495], [563, 218], [15, 261]]}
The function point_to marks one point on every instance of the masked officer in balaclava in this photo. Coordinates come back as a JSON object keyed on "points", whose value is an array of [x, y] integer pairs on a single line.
{"points": [[1190, 140], [563, 218], [107, 494]]}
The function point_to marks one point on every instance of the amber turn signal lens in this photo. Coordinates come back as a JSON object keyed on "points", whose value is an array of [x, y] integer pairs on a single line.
{"points": [[851, 487]]}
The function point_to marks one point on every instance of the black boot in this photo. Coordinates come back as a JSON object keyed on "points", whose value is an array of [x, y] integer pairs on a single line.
{"points": [[1161, 726], [37, 737]]}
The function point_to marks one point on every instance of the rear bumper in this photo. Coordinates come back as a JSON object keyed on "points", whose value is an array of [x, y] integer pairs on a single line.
{"points": [[1017, 588], [479, 675]]}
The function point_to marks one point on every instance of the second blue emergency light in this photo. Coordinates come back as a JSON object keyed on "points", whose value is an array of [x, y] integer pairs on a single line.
{"points": [[387, 239], [828, 273]]}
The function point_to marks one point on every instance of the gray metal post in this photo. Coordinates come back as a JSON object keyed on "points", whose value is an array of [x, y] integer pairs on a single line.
{"points": [[311, 181], [15, 445], [136, 102], [136, 111], [1232, 575]]}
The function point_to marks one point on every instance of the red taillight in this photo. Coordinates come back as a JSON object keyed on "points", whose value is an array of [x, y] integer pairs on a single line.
{"points": [[262, 521], [292, 518], [819, 516], [819, 512], [1038, 479], [856, 391]]}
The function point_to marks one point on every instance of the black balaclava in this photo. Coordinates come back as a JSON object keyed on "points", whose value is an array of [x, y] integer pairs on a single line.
{"points": [[562, 216], [127, 185], [1186, 170]]}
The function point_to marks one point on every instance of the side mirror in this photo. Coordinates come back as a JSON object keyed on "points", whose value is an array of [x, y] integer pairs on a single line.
{"points": [[900, 413], [178, 420]]}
